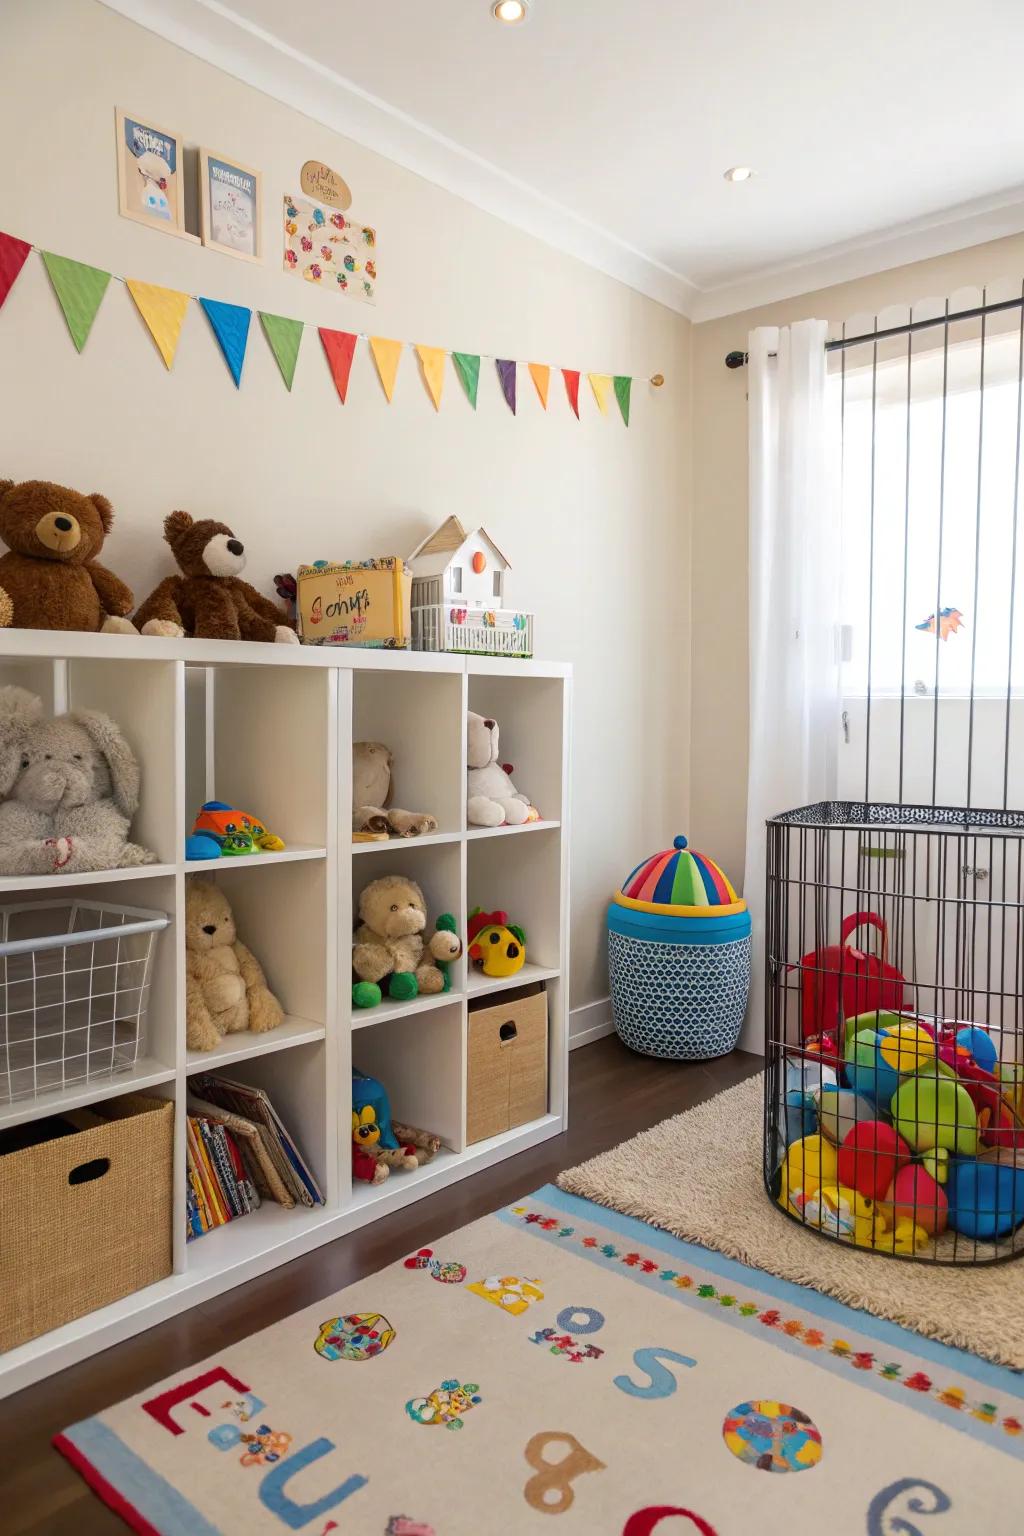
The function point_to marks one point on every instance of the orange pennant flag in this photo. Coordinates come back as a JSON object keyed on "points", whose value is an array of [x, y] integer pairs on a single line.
{"points": [[601, 384], [432, 363], [386, 354], [163, 310], [540, 373]]}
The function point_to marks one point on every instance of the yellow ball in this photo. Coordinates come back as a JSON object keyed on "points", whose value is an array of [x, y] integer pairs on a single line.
{"points": [[906, 1047], [810, 1162]]}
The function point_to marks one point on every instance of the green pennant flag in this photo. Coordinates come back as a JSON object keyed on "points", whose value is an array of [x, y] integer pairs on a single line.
{"points": [[623, 384], [285, 337], [467, 366], [80, 290]]}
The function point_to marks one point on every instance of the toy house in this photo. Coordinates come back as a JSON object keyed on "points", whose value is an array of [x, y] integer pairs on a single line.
{"points": [[458, 596]]}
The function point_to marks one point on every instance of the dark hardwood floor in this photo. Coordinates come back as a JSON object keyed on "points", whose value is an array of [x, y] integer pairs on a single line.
{"points": [[612, 1095]]}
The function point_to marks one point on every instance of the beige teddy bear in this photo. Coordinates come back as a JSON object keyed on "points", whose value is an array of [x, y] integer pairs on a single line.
{"points": [[226, 989], [372, 810], [389, 942]]}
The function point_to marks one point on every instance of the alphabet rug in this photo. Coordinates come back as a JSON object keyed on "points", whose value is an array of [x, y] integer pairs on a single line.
{"points": [[558, 1366]]}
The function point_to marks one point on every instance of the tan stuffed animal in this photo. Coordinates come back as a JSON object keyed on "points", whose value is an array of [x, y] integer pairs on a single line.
{"points": [[226, 989], [389, 940], [372, 810]]}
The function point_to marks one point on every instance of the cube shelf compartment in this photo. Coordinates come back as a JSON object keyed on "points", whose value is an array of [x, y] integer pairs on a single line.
{"points": [[270, 728]]}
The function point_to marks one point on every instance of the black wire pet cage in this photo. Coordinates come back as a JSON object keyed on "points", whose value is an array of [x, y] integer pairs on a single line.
{"points": [[894, 944]]}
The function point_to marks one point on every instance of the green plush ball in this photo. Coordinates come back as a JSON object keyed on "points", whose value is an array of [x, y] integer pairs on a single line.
{"points": [[365, 994], [930, 1110], [403, 986]]}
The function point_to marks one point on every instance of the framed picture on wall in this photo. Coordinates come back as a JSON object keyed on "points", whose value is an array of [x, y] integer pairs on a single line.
{"points": [[150, 180], [232, 199]]}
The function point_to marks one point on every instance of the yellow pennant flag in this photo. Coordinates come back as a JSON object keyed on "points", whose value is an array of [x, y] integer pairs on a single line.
{"points": [[601, 383], [386, 354], [540, 373], [163, 310], [432, 362]]}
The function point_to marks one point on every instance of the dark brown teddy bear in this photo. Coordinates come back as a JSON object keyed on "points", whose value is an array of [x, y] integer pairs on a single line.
{"points": [[50, 572], [208, 600]]}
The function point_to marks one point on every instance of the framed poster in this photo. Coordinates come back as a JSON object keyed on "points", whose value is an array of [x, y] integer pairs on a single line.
{"points": [[232, 199], [150, 183], [330, 249]]}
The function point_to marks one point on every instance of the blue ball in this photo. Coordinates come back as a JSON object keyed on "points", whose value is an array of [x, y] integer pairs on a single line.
{"points": [[980, 1044]]}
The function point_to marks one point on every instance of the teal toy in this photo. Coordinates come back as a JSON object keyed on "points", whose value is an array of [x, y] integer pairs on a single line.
{"points": [[986, 1199], [881, 1049], [932, 1109]]}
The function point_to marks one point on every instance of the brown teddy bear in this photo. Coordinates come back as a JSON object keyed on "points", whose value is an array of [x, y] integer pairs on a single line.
{"points": [[225, 988], [389, 943], [49, 574], [208, 600]]}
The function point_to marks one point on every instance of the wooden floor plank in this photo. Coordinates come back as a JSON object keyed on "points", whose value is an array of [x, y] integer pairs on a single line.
{"points": [[612, 1095]]}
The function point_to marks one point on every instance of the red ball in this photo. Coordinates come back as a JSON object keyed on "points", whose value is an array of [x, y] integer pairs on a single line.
{"points": [[916, 1197], [870, 1156]]}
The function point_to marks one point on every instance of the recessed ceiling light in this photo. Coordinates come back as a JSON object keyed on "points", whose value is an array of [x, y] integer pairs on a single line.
{"points": [[509, 11], [738, 173]]}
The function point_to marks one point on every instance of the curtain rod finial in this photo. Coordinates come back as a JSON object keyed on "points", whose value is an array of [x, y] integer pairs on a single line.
{"points": [[657, 379], [735, 359]]}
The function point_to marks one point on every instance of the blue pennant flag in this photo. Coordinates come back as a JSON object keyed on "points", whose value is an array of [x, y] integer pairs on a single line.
{"points": [[231, 327]]}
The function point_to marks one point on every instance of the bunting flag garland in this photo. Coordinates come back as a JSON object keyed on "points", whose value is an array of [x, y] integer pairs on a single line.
{"points": [[339, 347], [623, 385], [12, 258], [467, 366], [80, 290], [163, 310], [540, 373], [601, 383], [432, 363], [231, 327], [507, 375], [386, 354], [285, 338]]}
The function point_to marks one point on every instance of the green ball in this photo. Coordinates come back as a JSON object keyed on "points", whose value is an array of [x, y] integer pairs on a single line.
{"points": [[930, 1110], [403, 986], [365, 994]]}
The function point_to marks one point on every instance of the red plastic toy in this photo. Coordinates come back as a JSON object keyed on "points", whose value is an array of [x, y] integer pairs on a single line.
{"points": [[840, 981]]}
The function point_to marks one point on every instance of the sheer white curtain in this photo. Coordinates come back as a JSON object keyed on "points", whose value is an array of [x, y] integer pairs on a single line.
{"points": [[794, 602]]}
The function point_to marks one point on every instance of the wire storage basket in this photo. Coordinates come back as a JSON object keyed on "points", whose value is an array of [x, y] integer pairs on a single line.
{"points": [[894, 1028], [74, 989]]}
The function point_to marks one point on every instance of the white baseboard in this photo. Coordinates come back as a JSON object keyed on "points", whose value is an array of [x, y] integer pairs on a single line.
{"points": [[590, 1022]]}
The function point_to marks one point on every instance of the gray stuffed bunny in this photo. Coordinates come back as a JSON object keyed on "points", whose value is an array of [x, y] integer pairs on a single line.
{"points": [[69, 788]]}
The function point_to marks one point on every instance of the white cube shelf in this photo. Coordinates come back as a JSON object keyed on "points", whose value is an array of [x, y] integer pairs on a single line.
{"points": [[270, 728]]}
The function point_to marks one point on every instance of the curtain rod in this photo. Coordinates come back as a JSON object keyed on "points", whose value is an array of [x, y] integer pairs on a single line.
{"points": [[739, 359]]}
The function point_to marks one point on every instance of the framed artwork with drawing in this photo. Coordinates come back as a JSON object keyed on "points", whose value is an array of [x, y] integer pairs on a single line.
{"points": [[232, 204], [150, 183]]}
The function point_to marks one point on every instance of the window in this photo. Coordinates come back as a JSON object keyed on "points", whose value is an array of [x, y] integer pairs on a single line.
{"points": [[456, 578], [497, 584]]}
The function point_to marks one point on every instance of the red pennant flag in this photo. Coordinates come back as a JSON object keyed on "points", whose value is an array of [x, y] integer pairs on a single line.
{"points": [[339, 347], [572, 388], [12, 258]]}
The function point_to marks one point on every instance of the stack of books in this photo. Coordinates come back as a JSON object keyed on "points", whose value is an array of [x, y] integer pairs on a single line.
{"points": [[239, 1153], [219, 1185]]}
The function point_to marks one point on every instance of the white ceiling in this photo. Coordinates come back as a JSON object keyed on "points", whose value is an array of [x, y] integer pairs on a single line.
{"points": [[879, 132]]}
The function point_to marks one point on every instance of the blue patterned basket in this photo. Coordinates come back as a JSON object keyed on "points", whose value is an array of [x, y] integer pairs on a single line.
{"points": [[679, 957]]}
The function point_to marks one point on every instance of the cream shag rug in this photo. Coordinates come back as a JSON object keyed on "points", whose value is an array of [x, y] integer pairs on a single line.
{"points": [[698, 1175]]}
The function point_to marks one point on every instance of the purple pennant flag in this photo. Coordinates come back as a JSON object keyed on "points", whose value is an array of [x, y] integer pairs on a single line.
{"points": [[507, 375]]}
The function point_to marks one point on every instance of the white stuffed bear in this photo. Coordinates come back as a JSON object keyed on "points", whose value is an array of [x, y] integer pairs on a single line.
{"points": [[493, 798]]}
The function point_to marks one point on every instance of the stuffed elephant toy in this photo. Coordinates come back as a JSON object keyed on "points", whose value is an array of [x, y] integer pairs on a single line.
{"points": [[69, 788]]}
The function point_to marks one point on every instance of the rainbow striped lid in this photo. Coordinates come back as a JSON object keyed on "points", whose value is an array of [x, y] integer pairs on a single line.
{"points": [[680, 883]]}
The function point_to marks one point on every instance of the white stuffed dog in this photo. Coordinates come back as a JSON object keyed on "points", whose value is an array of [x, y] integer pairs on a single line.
{"points": [[69, 789], [493, 798]]}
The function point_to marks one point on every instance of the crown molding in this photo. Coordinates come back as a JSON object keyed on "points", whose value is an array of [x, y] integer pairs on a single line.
{"points": [[218, 35], [953, 230]]}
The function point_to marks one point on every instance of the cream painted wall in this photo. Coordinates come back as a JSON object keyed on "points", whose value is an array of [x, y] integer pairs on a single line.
{"points": [[595, 519], [718, 767]]}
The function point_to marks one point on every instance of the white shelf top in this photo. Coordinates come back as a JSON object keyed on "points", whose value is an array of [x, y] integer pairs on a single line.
{"points": [[74, 644], [19, 883], [479, 985], [390, 1008], [146, 1073], [506, 831], [244, 1044], [251, 860], [428, 840]]}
